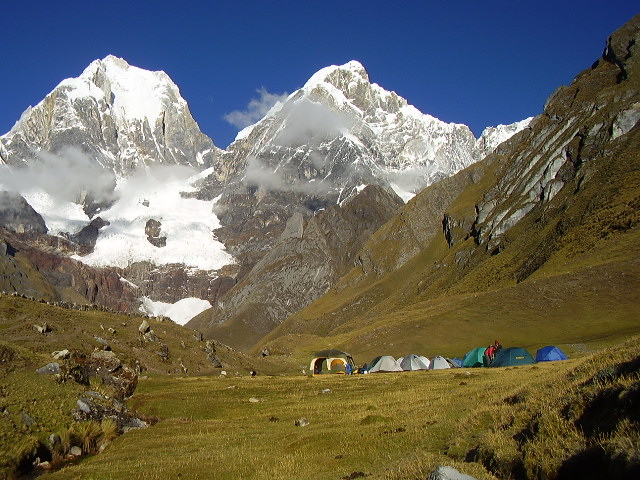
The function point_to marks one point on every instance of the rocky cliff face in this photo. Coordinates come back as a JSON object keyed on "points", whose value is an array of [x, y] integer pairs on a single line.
{"points": [[305, 262], [35, 265], [580, 123]]}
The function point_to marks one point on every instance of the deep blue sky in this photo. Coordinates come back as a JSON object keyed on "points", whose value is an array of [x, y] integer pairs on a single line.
{"points": [[480, 63]]}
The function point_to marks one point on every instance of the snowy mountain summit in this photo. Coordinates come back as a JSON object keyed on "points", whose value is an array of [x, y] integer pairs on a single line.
{"points": [[118, 115], [119, 143], [340, 131]]}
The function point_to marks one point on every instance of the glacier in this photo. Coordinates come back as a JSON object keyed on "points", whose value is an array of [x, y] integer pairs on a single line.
{"points": [[188, 223]]}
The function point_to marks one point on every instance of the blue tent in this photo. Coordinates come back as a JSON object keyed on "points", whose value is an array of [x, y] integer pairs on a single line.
{"points": [[508, 357], [550, 354]]}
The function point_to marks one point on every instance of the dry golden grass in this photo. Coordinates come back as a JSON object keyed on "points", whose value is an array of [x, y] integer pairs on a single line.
{"points": [[488, 423]]}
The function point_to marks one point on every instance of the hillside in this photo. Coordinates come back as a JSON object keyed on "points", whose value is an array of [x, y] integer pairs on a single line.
{"points": [[536, 244], [67, 367]]}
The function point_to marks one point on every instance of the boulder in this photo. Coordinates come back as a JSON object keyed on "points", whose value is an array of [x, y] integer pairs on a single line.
{"points": [[61, 354], [52, 368], [448, 473], [27, 419], [44, 328], [150, 336], [144, 327], [75, 451], [302, 422]]}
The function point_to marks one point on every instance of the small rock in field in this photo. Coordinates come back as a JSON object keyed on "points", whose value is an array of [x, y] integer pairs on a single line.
{"points": [[302, 422]]}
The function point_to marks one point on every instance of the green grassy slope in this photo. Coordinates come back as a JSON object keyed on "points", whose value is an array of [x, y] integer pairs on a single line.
{"points": [[33, 406]]}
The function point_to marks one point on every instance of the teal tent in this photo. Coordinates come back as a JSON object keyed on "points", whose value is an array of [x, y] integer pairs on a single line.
{"points": [[550, 354], [508, 357], [473, 358]]}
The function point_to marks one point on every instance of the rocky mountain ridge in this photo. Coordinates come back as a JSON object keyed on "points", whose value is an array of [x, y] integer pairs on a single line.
{"points": [[316, 150], [308, 258]]}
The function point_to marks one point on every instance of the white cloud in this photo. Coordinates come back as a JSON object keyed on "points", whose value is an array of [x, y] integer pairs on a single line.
{"points": [[258, 173], [66, 176], [311, 123], [256, 110]]}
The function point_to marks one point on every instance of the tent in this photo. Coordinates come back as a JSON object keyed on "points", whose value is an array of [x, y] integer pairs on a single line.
{"points": [[454, 362], [331, 361], [413, 362], [550, 354], [384, 363], [508, 357], [473, 358], [439, 363]]}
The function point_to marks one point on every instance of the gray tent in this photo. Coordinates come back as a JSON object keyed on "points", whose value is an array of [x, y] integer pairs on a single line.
{"points": [[384, 363], [414, 362], [438, 363]]}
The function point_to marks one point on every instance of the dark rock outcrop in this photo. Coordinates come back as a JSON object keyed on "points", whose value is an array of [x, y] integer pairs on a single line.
{"points": [[152, 230], [18, 216], [86, 238], [40, 268]]}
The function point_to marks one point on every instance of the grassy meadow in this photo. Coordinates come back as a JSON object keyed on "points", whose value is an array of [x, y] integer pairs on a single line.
{"points": [[533, 421]]}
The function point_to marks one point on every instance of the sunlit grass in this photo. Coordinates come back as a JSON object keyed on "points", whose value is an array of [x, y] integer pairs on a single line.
{"points": [[370, 423]]}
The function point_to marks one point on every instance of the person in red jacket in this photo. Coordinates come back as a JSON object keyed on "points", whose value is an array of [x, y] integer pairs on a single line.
{"points": [[489, 353]]}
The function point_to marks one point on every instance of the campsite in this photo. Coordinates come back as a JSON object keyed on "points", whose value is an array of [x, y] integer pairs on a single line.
{"points": [[382, 426], [338, 362], [286, 420]]}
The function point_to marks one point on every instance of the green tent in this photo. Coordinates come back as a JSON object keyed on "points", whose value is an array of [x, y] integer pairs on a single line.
{"points": [[473, 358], [508, 357]]}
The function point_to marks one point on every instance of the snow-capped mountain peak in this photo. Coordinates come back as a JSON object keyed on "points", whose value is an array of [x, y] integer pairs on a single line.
{"points": [[340, 130], [338, 75], [493, 136], [133, 93], [121, 116]]}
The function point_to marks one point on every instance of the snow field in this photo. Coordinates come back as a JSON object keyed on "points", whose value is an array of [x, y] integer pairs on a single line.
{"points": [[180, 312], [188, 224]]}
